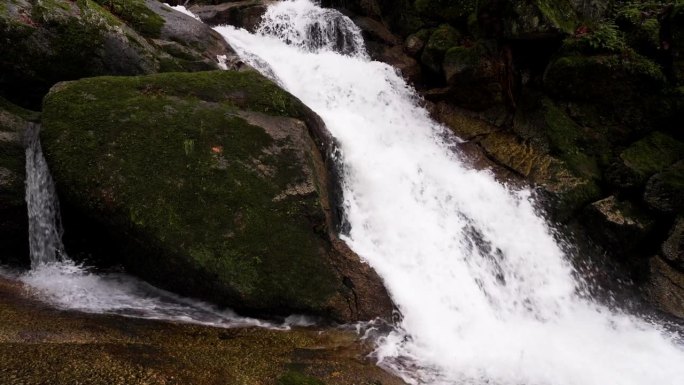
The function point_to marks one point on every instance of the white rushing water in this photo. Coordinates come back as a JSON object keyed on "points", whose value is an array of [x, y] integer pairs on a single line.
{"points": [[486, 293]]}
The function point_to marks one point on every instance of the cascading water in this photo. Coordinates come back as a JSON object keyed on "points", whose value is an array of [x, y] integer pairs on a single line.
{"points": [[45, 228], [486, 293]]}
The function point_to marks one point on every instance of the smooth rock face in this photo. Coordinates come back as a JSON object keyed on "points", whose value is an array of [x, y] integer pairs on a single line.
{"points": [[209, 184], [13, 215]]}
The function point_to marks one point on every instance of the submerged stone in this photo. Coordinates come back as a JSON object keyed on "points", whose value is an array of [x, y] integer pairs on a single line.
{"points": [[209, 184]]}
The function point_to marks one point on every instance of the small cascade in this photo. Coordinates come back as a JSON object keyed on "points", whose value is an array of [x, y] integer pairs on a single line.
{"points": [[317, 29], [45, 227]]}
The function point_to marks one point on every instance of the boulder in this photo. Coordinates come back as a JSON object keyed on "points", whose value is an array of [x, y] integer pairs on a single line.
{"points": [[13, 213], [475, 74], [666, 287], [437, 45], [245, 14], [644, 158], [619, 225], [44, 42], [465, 124], [211, 185], [673, 248], [664, 191]]}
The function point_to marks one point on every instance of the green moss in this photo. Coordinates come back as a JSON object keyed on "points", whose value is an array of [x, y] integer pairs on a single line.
{"points": [[171, 156], [652, 154], [441, 39], [136, 14], [560, 13]]}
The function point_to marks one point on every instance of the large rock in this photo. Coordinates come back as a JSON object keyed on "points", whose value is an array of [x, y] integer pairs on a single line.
{"points": [[209, 184], [13, 214], [44, 42], [644, 158]]}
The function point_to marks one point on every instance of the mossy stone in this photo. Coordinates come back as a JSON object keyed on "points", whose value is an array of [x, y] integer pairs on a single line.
{"points": [[648, 156], [441, 39], [208, 180]]}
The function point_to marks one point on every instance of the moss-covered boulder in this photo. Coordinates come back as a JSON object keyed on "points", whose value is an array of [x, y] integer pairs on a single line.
{"points": [[13, 214], [209, 184], [644, 158], [441, 39], [43, 42]]}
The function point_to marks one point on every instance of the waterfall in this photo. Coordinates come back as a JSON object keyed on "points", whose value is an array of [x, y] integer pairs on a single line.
{"points": [[486, 293], [45, 227]]}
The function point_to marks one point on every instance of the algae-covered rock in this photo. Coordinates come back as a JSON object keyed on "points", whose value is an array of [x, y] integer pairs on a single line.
{"points": [[13, 214], [207, 184]]}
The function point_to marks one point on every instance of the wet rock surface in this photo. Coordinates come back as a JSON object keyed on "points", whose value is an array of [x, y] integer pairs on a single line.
{"points": [[41, 345]]}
